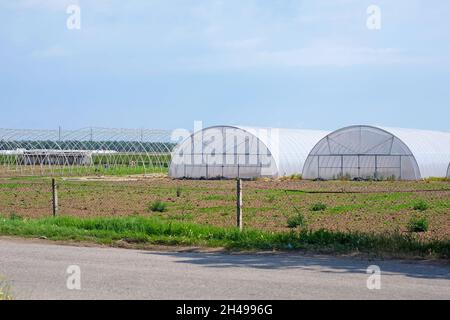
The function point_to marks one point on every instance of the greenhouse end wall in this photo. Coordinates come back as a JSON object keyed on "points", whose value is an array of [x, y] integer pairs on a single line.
{"points": [[222, 152], [361, 152], [368, 152]]}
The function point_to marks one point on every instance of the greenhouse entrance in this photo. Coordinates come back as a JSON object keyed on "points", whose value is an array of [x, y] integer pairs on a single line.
{"points": [[361, 152]]}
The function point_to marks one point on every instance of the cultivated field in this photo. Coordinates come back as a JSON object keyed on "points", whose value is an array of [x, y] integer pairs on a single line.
{"points": [[369, 207]]}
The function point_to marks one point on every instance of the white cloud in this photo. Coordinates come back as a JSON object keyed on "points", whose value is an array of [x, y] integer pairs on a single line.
{"points": [[219, 34]]}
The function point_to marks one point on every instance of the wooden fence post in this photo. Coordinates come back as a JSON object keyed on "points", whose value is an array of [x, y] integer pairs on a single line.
{"points": [[54, 197], [239, 203]]}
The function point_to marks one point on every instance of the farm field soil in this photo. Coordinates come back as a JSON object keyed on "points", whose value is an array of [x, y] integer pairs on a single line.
{"points": [[350, 206]]}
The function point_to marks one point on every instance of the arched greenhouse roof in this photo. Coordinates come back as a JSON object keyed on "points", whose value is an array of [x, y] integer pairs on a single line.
{"points": [[365, 151], [241, 151], [431, 149]]}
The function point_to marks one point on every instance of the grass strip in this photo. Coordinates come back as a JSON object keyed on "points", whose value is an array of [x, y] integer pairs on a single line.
{"points": [[154, 230]]}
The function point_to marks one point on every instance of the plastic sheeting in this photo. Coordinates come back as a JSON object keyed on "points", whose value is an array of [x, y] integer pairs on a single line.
{"points": [[431, 149], [245, 152], [381, 153]]}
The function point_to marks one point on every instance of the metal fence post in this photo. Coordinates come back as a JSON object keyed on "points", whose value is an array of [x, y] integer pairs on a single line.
{"points": [[54, 197], [239, 203]]}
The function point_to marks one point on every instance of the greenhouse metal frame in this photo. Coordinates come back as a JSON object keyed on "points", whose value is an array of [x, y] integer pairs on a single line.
{"points": [[369, 152], [355, 152], [246, 152], [95, 151]]}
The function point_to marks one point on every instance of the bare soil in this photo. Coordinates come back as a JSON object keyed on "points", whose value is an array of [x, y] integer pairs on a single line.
{"points": [[350, 206]]}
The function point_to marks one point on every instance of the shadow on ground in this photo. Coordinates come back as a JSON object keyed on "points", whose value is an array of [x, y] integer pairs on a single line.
{"points": [[316, 263]]}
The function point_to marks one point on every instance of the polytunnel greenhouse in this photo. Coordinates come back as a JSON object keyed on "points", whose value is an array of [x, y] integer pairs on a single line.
{"points": [[369, 152], [96, 151], [245, 152]]}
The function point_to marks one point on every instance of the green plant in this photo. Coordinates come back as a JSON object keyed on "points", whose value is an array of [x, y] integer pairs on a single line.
{"points": [[5, 290], [345, 177], [418, 224], [391, 178], [436, 179], [179, 189], [15, 216], [318, 207], [421, 205], [158, 206], [292, 177], [156, 230], [271, 198], [296, 221]]}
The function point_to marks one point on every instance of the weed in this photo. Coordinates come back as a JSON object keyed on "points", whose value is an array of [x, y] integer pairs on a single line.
{"points": [[391, 178], [271, 198], [296, 221], [345, 177], [318, 207], [292, 177], [420, 205], [15, 216], [158, 206], [436, 179], [418, 225], [5, 290], [154, 230]]}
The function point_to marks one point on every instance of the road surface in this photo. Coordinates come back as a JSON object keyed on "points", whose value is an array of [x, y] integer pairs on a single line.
{"points": [[38, 270]]}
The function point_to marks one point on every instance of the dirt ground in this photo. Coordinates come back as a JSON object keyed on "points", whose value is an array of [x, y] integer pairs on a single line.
{"points": [[350, 206]]}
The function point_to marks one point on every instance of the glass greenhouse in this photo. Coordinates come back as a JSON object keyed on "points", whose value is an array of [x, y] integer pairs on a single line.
{"points": [[369, 152], [245, 152]]}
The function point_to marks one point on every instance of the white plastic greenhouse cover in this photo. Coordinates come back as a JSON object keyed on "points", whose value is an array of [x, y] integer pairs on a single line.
{"points": [[378, 152], [245, 152]]}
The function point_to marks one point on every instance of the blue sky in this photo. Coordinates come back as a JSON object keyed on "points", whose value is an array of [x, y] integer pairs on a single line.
{"points": [[165, 63]]}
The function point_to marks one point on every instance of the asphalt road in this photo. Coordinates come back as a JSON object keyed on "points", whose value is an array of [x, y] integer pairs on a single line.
{"points": [[38, 270]]}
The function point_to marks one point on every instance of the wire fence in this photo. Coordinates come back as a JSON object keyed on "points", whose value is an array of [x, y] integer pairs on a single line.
{"points": [[266, 205], [208, 202]]}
